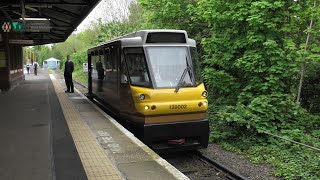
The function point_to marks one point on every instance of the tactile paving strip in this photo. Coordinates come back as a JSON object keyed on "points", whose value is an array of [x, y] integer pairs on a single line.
{"points": [[95, 162]]}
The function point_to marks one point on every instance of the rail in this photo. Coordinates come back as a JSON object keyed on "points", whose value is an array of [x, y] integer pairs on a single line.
{"points": [[233, 174]]}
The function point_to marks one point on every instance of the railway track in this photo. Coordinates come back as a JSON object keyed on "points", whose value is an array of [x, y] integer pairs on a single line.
{"points": [[231, 174], [195, 165]]}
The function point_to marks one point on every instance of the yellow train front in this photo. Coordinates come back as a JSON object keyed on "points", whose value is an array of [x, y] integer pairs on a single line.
{"points": [[151, 79]]}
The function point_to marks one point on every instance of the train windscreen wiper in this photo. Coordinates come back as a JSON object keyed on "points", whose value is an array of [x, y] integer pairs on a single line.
{"points": [[187, 69], [181, 79]]}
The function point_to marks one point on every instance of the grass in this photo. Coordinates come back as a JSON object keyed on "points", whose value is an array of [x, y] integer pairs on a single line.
{"points": [[50, 70], [80, 76], [292, 162]]}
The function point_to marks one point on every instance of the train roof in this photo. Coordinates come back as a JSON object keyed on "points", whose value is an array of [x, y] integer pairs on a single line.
{"points": [[153, 37]]}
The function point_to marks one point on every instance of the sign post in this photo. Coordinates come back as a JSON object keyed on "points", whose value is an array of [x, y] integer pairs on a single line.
{"points": [[85, 67]]}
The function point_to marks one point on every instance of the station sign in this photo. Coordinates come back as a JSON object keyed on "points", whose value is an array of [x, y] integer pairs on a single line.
{"points": [[27, 26], [37, 26]]}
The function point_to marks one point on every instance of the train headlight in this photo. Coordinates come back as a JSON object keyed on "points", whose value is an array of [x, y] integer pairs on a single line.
{"points": [[142, 97], [204, 103], [146, 107], [204, 94]]}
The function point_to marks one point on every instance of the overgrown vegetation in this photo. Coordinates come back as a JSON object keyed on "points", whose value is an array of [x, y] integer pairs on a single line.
{"points": [[253, 53], [50, 71]]}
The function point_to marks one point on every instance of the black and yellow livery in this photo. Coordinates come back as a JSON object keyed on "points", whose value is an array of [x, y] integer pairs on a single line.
{"points": [[151, 78]]}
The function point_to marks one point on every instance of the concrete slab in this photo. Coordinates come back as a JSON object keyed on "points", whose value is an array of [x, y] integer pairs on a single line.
{"points": [[151, 170]]}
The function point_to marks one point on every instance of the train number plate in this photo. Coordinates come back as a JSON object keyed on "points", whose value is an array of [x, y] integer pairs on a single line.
{"points": [[183, 106]]}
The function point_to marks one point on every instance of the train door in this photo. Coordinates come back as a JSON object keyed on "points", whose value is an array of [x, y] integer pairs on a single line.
{"points": [[112, 66], [126, 101], [94, 74], [135, 74], [89, 73], [100, 69], [117, 55]]}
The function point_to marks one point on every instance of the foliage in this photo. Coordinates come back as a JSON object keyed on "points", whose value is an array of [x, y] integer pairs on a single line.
{"points": [[50, 71], [253, 56], [311, 89], [167, 13], [79, 58], [173, 14]]}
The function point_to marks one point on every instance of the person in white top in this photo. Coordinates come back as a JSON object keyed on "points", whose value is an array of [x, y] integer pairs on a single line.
{"points": [[28, 68]]}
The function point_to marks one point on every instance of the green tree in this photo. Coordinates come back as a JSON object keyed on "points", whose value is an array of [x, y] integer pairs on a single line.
{"points": [[174, 14], [254, 53], [167, 13]]}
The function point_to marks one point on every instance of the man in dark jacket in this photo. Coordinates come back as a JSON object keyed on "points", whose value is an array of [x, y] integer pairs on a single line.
{"points": [[68, 69]]}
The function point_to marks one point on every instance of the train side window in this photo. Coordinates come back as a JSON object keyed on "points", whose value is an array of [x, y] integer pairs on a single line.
{"points": [[124, 73], [114, 58], [100, 68], [108, 63], [137, 67]]}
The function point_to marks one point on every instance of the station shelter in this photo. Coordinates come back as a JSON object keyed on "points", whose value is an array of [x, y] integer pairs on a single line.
{"points": [[51, 63], [34, 22]]}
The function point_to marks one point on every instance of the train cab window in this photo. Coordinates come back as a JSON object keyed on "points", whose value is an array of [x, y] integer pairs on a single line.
{"points": [[168, 64], [137, 67]]}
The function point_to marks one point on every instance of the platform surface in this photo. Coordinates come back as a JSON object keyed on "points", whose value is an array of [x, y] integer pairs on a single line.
{"points": [[46, 133]]}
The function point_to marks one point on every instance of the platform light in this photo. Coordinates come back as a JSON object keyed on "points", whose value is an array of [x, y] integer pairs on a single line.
{"points": [[146, 107], [204, 94], [142, 97], [35, 19]]}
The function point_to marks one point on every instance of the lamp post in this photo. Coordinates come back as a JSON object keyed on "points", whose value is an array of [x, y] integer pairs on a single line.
{"points": [[31, 56], [27, 56]]}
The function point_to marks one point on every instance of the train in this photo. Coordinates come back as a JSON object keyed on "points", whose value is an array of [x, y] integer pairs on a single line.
{"points": [[151, 79]]}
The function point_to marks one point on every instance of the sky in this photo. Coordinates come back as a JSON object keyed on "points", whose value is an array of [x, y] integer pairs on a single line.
{"points": [[107, 10]]}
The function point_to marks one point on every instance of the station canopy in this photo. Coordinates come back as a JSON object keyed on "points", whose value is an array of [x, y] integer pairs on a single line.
{"points": [[36, 22]]}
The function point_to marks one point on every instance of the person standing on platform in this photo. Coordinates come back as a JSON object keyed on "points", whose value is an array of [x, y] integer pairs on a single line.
{"points": [[68, 69], [28, 68], [35, 67]]}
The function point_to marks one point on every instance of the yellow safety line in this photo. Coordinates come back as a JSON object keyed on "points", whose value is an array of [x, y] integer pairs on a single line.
{"points": [[95, 162]]}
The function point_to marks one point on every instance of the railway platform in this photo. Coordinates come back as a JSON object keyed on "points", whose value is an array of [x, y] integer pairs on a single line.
{"points": [[46, 133]]}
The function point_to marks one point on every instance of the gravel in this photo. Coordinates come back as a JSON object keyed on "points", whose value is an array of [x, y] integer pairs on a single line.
{"points": [[193, 167], [240, 163]]}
